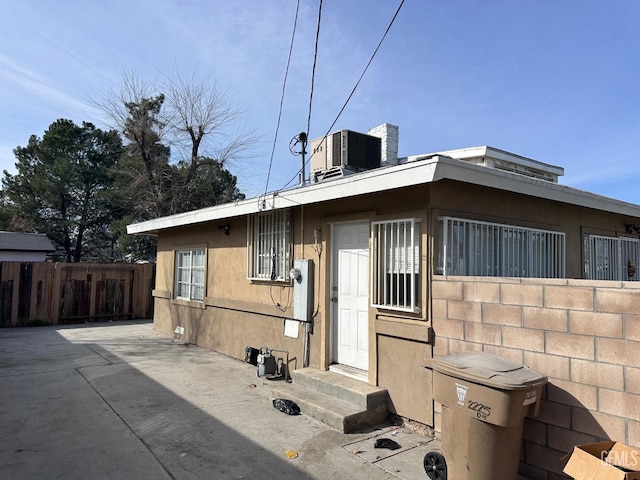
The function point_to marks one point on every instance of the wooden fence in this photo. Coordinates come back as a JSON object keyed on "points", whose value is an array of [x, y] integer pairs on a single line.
{"points": [[34, 293]]}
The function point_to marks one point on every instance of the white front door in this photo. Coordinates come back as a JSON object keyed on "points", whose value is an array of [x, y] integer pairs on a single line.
{"points": [[350, 295]]}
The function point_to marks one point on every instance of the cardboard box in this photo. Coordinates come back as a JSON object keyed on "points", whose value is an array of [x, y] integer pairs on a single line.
{"points": [[603, 461]]}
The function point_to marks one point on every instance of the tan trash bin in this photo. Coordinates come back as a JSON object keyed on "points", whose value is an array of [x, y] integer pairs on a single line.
{"points": [[484, 401]]}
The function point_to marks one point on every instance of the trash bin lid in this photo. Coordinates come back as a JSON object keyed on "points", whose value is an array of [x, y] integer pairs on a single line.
{"points": [[487, 369]]}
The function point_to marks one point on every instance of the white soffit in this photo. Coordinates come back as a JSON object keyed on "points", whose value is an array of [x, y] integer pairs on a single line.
{"points": [[389, 178]]}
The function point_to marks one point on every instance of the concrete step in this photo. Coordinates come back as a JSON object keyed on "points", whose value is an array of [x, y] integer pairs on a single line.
{"points": [[344, 404], [341, 387]]}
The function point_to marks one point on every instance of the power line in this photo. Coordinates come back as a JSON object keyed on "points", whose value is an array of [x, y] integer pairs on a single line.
{"points": [[313, 69], [366, 68], [354, 88], [284, 83]]}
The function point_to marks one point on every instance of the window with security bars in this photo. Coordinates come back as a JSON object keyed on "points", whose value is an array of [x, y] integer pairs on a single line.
{"points": [[268, 245], [611, 258], [396, 264], [474, 248], [189, 281]]}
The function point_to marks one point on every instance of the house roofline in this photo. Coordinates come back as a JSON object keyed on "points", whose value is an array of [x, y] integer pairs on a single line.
{"points": [[426, 170], [25, 242], [487, 151]]}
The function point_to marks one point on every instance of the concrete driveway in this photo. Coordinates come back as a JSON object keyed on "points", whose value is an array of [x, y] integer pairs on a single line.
{"points": [[121, 401]]}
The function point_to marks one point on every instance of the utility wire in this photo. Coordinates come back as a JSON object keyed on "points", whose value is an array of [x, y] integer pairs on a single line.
{"points": [[352, 91], [284, 84], [313, 70]]}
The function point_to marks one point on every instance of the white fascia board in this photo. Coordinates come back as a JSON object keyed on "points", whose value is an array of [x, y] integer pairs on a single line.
{"points": [[390, 178], [372, 181], [469, 152], [378, 180], [218, 212]]}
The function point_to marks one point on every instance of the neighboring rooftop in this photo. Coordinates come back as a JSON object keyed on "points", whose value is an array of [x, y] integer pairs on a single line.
{"points": [[500, 160], [25, 242]]}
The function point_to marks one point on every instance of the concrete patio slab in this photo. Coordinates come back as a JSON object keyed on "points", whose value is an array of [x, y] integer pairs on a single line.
{"points": [[122, 401], [119, 400]]}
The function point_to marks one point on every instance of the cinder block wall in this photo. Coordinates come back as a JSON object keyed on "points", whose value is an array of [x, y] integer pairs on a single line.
{"points": [[584, 335]]}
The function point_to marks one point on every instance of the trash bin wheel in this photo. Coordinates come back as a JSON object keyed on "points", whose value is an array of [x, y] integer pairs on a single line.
{"points": [[435, 465]]}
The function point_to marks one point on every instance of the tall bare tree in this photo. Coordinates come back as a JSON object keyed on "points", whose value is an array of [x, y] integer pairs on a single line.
{"points": [[198, 112], [202, 125], [192, 118]]}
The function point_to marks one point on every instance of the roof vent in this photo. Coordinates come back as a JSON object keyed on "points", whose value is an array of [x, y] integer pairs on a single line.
{"points": [[330, 174]]}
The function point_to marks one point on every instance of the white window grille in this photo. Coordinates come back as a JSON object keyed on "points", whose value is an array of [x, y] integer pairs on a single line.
{"points": [[395, 264], [474, 248], [268, 243], [611, 258], [189, 276]]}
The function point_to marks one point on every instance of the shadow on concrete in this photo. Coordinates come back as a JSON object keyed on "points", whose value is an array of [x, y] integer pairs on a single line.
{"points": [[195, 437], [562, 423], [118, 407]]}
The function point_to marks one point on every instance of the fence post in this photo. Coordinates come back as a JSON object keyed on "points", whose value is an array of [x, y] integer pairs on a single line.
{"points": [[55, 293]]}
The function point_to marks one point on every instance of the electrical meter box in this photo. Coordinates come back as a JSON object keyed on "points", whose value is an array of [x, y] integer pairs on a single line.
{"points": [[302, 276]]}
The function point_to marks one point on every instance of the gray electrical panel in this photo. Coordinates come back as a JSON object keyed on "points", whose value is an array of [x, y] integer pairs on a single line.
{"points": [[302, 276]]}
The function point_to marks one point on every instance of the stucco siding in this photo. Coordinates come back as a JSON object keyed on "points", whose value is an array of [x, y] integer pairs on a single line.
{"points": [[517, 318]]}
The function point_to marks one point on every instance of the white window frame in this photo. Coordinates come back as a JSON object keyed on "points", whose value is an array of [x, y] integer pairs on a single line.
{"points": [[395, 264], [190, 274], [475, 248], [268, 246], [611, 258]]}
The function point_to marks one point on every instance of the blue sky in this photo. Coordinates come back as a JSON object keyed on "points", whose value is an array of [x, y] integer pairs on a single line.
{"points": [[553, 80]]}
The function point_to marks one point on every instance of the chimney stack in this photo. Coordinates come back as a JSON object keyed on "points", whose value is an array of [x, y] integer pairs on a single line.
{"points": [[389, 135]]}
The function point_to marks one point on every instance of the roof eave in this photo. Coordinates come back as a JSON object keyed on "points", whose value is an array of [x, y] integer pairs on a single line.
{"points": [[372, 181], [389, 178]]}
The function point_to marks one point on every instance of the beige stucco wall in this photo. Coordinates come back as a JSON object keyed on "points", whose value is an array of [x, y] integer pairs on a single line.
{"points": [[403, 350], [584, 335], [238, 312]]}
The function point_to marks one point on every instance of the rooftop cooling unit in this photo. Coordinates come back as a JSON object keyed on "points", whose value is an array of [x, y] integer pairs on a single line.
{"points": [[347, 150]]}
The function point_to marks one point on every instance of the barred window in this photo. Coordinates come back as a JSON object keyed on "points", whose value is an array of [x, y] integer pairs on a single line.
{"points": [[611, 258], [268, 245], [189, 275], [469, 247], [395, 264]]}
